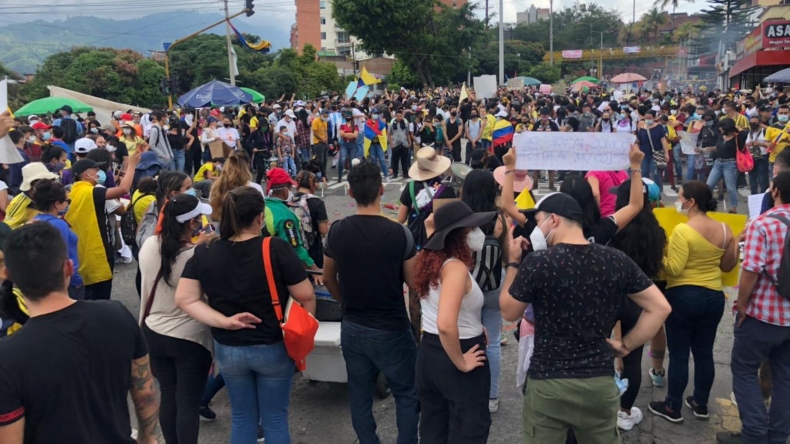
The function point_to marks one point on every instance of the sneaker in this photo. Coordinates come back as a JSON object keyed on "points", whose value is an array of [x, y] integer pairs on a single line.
{"points": [[626, 421], [699, 412], [388, 179], [732, 398], [552, 188], [657, 378], [493, 405], [503, 341], [728, 438], [206, 414], [260, 434], [659, 408]]}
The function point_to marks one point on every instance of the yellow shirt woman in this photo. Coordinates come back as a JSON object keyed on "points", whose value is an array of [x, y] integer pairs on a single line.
{"points": [[132, 142], [693, 260]]}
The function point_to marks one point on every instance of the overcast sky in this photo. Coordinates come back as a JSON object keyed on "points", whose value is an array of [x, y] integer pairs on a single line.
{"points": [[271, 15]]}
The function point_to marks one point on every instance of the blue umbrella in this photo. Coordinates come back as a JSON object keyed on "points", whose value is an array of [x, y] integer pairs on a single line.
{"points": [[782, 76], [214, 93], [530, 81]]}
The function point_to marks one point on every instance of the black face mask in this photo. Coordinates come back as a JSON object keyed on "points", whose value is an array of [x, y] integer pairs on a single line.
{"points": [[755, 126], [226, 125], [605, 119], [453, 114]]}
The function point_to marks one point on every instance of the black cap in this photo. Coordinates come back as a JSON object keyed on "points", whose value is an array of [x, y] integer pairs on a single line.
{"points": [[66, 108], [83, 165], [560, 204]]}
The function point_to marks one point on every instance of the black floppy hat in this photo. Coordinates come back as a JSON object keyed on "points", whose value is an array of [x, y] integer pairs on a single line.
{"points": [[451, 216]]}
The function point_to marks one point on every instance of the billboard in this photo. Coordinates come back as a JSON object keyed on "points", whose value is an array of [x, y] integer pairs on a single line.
{"points": [[767, 35]]}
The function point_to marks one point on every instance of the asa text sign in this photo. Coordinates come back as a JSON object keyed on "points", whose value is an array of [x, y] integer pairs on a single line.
{"points": [[572, 151]]}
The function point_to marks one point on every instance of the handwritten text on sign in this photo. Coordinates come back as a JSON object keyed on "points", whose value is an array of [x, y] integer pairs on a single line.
{"points": [[572, 151]]}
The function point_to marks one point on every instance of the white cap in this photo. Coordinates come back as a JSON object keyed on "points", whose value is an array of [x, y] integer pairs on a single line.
{"points": [[117, 114], [201, 208], [32, 118], [84, 145], [357, 113], [276, 106], [501, 114], [299, 103], [290, 113]]}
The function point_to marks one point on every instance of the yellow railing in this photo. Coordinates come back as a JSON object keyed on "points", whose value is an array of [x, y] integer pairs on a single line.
{"points": [[617, 53]]}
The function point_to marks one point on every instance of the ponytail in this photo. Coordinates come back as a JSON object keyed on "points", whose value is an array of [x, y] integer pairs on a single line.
{"points": [[240, 207]]}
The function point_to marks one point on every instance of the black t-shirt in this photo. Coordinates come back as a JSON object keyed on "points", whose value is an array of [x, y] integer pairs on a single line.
{"points": [[576, 292], [317, 215], [369, 251], [233, 278], [68, 374], [176, 141], [602, 232], [551, 126], [453, 128]]}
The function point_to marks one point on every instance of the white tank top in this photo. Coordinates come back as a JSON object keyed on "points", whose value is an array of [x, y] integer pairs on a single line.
{"points": [[469, 318]]}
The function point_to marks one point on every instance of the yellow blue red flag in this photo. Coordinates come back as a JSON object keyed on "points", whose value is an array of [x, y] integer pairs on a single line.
{"points": [[262, 46]]}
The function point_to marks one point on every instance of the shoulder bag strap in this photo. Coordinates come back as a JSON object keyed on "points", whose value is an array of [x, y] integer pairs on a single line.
{"points": [[267, 265], [409, 241], [150, 300]]}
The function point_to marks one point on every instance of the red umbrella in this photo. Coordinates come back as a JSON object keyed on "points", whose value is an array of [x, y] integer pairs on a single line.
{"points": [[583, 84], [628, 77]]}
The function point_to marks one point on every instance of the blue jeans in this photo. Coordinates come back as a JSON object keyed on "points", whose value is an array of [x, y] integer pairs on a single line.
{"points": [[492, 321], [347, 151], [758, 176], [485, 144], [756, 342], [289, 165], [258, 379], [304, 154], [729, 171], [696, 312], [376, 155], [178, 160], [650, 171], [690, 159], [367, 352], [360, 146], [677, 160]]}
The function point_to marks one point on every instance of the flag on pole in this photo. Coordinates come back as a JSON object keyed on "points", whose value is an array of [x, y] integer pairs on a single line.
{"points": [[262, 46], [464, 93], [367, 78]]}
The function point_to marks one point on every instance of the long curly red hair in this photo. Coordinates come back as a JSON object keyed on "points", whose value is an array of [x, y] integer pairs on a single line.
{"points": [[429, 262]]}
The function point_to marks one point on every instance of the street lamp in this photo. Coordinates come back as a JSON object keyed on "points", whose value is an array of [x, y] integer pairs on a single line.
{"points": [[551, 32]]}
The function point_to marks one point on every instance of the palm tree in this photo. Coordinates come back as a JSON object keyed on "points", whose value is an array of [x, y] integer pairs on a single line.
{"points": [[663, 5], [685, 31], [654, 19]]}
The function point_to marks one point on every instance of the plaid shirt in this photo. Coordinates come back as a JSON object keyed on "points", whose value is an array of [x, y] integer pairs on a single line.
{"points": [[302, 135], [762, 254]]}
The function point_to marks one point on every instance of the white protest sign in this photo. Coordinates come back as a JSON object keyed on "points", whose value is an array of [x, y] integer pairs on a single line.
{"points": [[8, 152], [515, 84], [688, 141], [485, 87], [572, 151]]}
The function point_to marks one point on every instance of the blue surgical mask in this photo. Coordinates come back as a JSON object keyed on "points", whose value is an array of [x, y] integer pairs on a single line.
{"points": [[782, 118], [191, 192], [102, 177], [46, 136]]}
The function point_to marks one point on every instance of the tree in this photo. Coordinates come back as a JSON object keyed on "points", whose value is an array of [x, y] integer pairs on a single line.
{"points": [[436, 40], [686, 31], [519, 57], [546, 73], [723, 24], [402, 75], [663, 5], [575, 27], [653, 20]]}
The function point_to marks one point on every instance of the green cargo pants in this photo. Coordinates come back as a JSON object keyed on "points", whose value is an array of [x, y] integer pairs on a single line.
{"points": [[588, 406]]}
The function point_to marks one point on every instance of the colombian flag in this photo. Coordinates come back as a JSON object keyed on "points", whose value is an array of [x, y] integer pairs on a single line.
{"points": [[503, 132], [375, 129], [262, 46]]}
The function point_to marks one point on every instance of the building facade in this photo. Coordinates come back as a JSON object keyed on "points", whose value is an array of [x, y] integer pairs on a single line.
{"points": [[532, 15]]}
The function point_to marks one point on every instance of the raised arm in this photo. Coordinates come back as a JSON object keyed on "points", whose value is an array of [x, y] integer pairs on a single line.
{"points": [[128, 176], [508, 202], [636, 201]]}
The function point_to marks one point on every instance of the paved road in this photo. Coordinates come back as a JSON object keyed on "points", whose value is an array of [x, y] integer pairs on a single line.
{"points": [[319, 412]]}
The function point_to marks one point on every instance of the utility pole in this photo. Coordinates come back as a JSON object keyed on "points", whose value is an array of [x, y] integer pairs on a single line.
{"points": [[230, 55], [501, 43], [486, 14], [600, 59], [468, 72], [551, 32]]}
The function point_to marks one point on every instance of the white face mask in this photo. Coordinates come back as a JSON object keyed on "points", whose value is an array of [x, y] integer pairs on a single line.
{"points": [[476, 239], [680, 209], [127, 131], [537, 239]]}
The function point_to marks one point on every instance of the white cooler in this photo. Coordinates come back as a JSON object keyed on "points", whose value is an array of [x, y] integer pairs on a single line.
{"points": [[326, 362]]}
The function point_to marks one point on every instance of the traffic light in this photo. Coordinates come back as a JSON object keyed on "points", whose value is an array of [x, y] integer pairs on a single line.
{"points": [[249, 7], [164, 86], [174, 85]]}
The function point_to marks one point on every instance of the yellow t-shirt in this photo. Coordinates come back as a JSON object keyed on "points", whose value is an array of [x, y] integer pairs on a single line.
{"points": [[692, 260], [489, 128], [19, 211], [319, 129], [81, 215], [780, 138], [142, 204], [201, 173], [131, 143], [254, 122], [741, 122]]}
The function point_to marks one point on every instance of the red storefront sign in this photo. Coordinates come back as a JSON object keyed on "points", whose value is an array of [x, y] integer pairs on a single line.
{"points": [[767, 35]]}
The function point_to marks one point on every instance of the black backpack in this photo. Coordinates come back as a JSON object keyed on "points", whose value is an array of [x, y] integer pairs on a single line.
{"points": [[69, 127], [782, 281], [129, 223]]}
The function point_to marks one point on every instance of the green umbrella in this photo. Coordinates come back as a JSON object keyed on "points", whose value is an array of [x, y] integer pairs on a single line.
{"points": [[256, 96], [49, 105], [585, 79], [531, 81]]}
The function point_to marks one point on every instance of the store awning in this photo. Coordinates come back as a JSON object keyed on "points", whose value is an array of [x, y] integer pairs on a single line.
{"points": [[760, 58]]}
